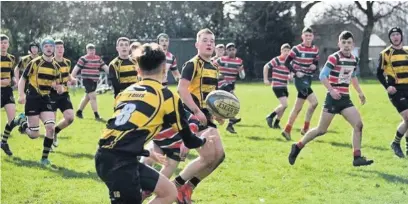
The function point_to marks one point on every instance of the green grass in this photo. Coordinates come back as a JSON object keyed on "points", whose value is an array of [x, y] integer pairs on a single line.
{"points": [[256, 169]]}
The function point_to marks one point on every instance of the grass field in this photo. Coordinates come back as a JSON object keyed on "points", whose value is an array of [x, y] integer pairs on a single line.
{"points": [[256, 169]]}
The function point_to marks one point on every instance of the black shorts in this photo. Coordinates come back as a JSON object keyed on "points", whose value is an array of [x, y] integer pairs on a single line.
{"points": [[336, 106], [281, 92], [148, 177], [90, 85], [121, 176], [305, 94], [228, 87], [400, 100], [7, 96], [172, 153], [62, 102], [210, 121], [37, 104]]}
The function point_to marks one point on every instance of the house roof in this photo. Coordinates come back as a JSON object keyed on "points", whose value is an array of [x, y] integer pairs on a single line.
{"points": [[376, 41]]}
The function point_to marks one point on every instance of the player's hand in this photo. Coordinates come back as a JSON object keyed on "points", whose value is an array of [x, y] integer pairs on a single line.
{"points": [[312, 67], [5, 82], [22, 99], [201, 117], [220, 121], [362, 98], [158, 158], [59, 88], [73, 81], [335, 94], [391, 90], [183, 152], [267, 82], [299, 74]]}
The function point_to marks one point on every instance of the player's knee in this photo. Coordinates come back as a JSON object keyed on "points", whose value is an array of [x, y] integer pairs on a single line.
{"points": [[221, 158], [359, 126], [92, 96], [405, 117], [172, 193], [69, 119], [314, 105], [34, 132], [321, 133]]}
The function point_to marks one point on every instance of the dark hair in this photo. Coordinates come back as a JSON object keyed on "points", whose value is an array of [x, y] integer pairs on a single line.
{"points": [[151, 59], [4, 37], [59, 42], [285, 46], [122, 39], [346, 35], [307, 30], [164, 35]]}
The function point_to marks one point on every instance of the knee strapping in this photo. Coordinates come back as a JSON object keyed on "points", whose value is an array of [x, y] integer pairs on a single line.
{"points": [[34, 129], [52, 122]]}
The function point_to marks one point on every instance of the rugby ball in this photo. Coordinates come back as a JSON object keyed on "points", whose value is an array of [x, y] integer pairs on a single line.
{"points": [[222, 104]]}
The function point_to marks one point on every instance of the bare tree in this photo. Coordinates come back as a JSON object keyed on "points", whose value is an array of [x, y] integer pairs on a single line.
{"points": [[365, 16], [301, 9]]}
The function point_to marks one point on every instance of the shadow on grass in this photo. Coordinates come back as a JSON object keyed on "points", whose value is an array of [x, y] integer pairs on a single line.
{"points": [[250, 126], [348, 145], [62, 171], [76, 155], [388, 177]]}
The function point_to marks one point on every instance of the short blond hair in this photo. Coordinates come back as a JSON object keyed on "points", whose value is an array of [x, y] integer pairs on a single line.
{"points": [[203, 31], [135, 45]]}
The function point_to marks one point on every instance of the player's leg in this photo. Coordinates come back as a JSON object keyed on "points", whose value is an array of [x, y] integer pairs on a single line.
{"points": [[280, 93], [11, 112], [153, 181], [66, 108], [401, 104], [48, 118], [31, 124], [311, 109], [82, 105], [152, 147], [300, 100], [353, 117], [210, 158], [280, 110], [324, 123], [172, 161], [94, 104]]}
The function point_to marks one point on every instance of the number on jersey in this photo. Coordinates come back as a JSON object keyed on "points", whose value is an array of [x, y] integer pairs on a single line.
{"points": [[125, 114]]}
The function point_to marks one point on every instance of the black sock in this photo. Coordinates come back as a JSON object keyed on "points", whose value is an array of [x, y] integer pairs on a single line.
{"points": [[195, 181], [79, 111], [57, 130], [47, 147], [398, 137], [406, 142], [273, 114], [96, 115], [12, 125], [179, 181], [277, 121], [6, 133]]}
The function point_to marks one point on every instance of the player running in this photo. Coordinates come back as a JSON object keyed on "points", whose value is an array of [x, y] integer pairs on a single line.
{"points": [[140, 112], [199, 77], [280, 78], [122, 69], [302, 61], [393, 63], [7, 64], [62, 101], [171, 61], [230, 67], [32, 53], [89, 65], [42, 74], [337, 74]]}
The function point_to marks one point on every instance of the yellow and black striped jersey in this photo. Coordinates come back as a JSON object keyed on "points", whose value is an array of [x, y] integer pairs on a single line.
{"points": [[64, 69], [394, 62], [7, 65], [22, 64], [40, 75], [122, 73], [203, 77], [140, 112]]}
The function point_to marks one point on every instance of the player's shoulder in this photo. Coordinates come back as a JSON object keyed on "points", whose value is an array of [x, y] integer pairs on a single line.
{"points": [[387, 49], [239, 59], [114, 61], [67, 61], [167, 93], [25, 57], [11, 57], [37, 60]]}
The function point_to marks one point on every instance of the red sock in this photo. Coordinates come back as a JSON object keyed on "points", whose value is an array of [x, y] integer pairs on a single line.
{"points": [[306, 126], [300, 145], [288, 128], [357, 153]]}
